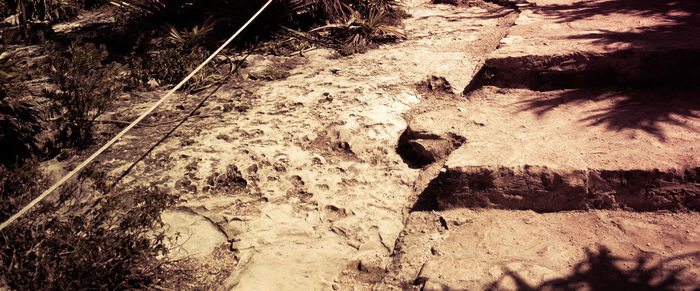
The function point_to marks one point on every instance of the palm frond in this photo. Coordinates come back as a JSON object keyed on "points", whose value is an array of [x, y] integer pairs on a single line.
{"points": [[192, 37]]}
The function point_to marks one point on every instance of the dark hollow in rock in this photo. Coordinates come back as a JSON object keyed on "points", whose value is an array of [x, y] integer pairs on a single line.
{"points": [[436, 84], [420, 149]]}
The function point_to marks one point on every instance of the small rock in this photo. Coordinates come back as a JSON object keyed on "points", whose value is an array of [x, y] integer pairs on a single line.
{"points": [[335, 286], [240, 245], [434, 286], [371, 264], [153, 83], [318, 159], [437, 84], [443, 223]]}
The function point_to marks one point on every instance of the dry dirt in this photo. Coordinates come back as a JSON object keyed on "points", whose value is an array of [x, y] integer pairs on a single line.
{"points": [[326, 179], [466, 249]]}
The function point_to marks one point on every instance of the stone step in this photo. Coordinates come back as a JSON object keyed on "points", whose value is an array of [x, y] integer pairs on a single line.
{"points": [[557, 44], [466, 249], [565, 149], [542, 189], [585, 69]]}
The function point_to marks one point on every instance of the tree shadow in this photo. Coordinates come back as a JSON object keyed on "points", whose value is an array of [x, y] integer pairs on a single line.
{"points": [[646, 110], [674, 20], [602, 270]]}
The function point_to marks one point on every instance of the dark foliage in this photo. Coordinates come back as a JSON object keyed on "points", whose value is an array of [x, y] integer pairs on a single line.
{"points": [[19, 119], [86, 87], [170, 66], [79, 241]]}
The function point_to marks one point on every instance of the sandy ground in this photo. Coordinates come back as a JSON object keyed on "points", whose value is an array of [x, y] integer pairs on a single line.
{"points": [[300, 176], [296, 184], [600, 26], [523, 250], [569, 129]]}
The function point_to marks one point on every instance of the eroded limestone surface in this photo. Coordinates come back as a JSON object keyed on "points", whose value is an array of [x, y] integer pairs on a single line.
{"points": [[465, 249], [558, 44]]}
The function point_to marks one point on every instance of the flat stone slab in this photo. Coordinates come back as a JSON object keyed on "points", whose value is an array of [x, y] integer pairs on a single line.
{"points": [[524, 250], [569, 44], [556, 27], [574, 149]]}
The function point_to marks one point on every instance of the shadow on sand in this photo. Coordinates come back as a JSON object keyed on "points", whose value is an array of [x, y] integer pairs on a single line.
{"points": [[646, 110], [602, 270], [679, 17]]}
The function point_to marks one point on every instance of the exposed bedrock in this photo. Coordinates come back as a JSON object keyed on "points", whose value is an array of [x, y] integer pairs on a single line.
{"points": [[586, 69], [558, 44], [431, 136], [544, 189]]}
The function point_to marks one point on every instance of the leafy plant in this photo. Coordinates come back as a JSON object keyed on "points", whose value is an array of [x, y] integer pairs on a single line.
{"points": [[339, 11], [192, 37], [159, 8], [8, 70], [181, 13], [19, 119], [86, 86], [19, 125], [170, 66], [78, 242], [357, 33], [375, 25], [321, 10]]}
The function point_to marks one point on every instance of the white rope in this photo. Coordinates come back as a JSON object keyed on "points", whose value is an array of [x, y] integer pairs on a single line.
{"points": [[125, 130]]}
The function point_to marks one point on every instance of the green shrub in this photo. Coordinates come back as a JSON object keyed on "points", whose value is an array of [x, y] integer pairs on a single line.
{"points": [[340, 11], [381, 15], [170, 66], [19, 125], [362, 24], [86, 87], [9, 68], [193, 37], [79, 241]]}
